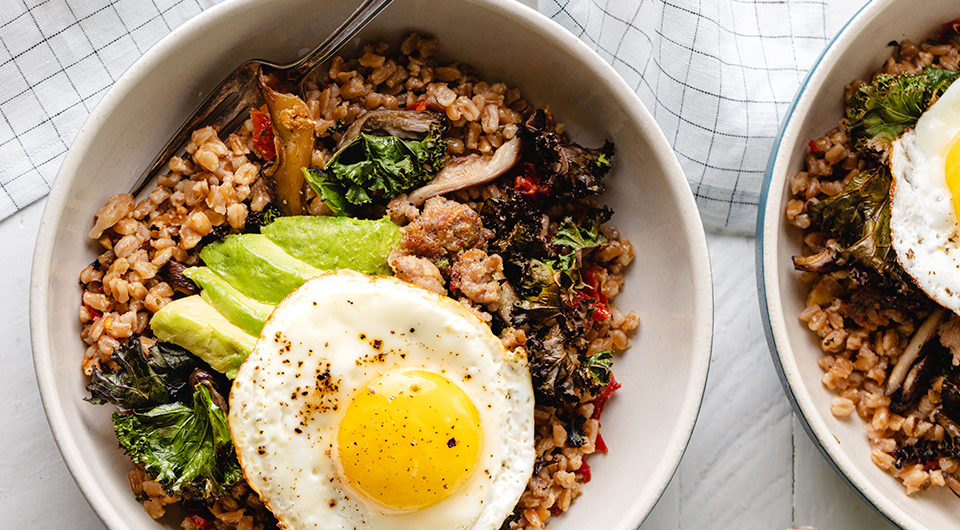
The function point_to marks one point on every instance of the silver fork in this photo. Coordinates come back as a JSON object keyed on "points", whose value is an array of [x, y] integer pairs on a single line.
{"points": [[244, 83]]}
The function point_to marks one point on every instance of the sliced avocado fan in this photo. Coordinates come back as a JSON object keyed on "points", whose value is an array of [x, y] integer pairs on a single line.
{"points": [[246, 275]]}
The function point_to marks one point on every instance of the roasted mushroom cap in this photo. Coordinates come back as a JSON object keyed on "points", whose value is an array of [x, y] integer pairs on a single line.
{"points": [[912, 352], [470, 170], [202, 377], [404, 124], [294, 140], [823, 261], [172, 273]]}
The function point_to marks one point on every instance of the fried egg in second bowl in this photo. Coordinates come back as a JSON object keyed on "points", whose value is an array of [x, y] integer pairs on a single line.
{"points": [[372, 403], [925, 200]]}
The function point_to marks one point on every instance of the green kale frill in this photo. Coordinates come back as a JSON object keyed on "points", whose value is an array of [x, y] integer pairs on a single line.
{"points": [[187, 448], [376, 168]]}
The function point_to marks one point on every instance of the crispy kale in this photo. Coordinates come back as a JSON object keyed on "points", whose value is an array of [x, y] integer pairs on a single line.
{"points": [[923, 451], [187, 448], [172, 420], [875, 292], [517, 229], [143, 381], [552, 367], [579, 239], [576, 435], [569, 170], [881, 111], [561, 372], [515, 516], [372, 168], [557, 300], [599, 364], [859, 219], [554, 305], [256, 220], [558, 279]]}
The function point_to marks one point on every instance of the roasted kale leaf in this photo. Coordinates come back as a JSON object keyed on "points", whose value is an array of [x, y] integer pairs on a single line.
{"points": [[879, 112], [598, 366], [517, 228], [552, 368], [579, 238], [543, 267], [569, 170], [143, 381], [373, 168], [562, 376], [188, 448], [859, 219]]}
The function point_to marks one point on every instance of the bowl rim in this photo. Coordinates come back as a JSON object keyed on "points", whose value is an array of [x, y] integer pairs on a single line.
{"points": [[773, 319], [58, 198]]}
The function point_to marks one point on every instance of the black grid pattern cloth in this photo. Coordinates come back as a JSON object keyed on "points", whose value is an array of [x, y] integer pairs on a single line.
{"points": [[57, 59], [717, 75]]}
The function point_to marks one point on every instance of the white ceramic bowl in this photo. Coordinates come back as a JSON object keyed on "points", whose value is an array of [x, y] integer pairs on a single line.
{"points": [[648, 423], [858, 50]]}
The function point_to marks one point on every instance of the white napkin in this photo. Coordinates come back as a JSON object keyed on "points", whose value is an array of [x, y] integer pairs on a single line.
{"points": [[718, 76], [57, 59]]}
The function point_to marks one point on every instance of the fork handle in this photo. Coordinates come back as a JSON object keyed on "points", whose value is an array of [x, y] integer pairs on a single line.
{"points": [[364, 13]]}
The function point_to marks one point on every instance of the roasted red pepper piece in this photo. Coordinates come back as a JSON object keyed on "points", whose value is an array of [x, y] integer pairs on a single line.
{"points": [[419, 106], [600, 310], [94, 313], [604, 396], [949, 29], [529, 183], [263, 134], [584, 471], [601, 446], [200, 522]]}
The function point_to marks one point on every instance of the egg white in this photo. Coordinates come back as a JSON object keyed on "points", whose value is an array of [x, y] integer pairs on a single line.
{"points": [[323, 344], [923, 225]]}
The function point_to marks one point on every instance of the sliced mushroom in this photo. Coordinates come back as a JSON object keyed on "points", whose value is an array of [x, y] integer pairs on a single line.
{"points": [[899, 372], [917, 379], [948, 424], [823, 261], [172, 273], [294, 138], [469, 170], [202, 377], [952, 482], [397, 123]]}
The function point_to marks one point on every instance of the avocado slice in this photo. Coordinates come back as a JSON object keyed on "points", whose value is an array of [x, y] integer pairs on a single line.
{"points": [[257, 267], [247, 313], [194, 324], [330, 243]]}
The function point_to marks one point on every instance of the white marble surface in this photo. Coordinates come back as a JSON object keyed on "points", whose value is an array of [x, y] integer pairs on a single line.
{"points": [[749, 463]]}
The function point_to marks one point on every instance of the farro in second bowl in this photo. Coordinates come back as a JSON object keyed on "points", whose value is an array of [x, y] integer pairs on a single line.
{"points": [[812, 364]]}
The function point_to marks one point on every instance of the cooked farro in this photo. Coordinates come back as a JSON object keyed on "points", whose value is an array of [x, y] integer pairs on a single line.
{"points": [[218, 186], [863, 334]]}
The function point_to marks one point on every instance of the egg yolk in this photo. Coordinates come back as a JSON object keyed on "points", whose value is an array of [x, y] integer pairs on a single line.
{"points": [[409, 440], [952, 168]]}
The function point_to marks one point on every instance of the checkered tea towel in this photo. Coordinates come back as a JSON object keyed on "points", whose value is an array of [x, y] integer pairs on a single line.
{"points": [[57, 59], [717, 75]]}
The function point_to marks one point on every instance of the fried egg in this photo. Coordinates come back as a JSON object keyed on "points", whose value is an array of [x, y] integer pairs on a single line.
{"points": [[925, 200], [372, 403]]}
